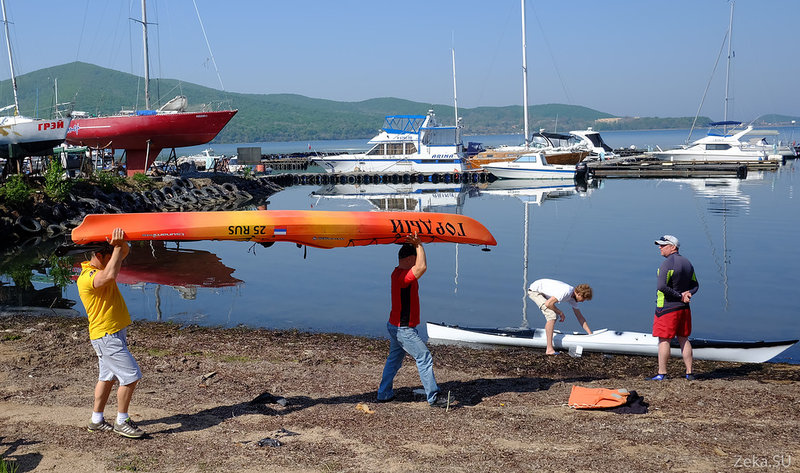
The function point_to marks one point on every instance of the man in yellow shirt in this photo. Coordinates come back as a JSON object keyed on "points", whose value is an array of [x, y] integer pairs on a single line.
{"points": [[108, 322]]}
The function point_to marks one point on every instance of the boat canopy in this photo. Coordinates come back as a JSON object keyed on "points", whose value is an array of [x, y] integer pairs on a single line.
{"points": [[597, 141], [404, 123], [555, 136]]}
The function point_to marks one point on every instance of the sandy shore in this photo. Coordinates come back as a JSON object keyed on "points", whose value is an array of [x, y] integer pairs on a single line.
{"points": [[209, 396]]}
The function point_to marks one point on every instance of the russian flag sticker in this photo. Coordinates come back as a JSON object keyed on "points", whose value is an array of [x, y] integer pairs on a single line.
{"points": [[279, 231]]}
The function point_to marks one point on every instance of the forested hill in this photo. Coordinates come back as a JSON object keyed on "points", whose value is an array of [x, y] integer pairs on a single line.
{"points": [[289, 117]]}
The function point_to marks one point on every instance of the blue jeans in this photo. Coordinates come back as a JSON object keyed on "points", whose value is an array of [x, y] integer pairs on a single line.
{"points": [[406, 340]]}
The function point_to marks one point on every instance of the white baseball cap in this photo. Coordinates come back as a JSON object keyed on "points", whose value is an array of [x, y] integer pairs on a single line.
{"points": [[668, 240]]}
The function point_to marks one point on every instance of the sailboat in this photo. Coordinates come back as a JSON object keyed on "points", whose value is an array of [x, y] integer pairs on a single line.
{"points": [[22, 136], [144, 133], [559, 148], [721, 143]]}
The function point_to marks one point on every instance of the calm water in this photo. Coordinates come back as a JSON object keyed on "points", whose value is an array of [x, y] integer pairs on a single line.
{"points": [[741, 237]]}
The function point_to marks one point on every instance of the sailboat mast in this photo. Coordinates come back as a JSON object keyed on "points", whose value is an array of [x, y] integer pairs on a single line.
{"points": [[728, 72], [10, 60], [146, 58], [525, 76]]}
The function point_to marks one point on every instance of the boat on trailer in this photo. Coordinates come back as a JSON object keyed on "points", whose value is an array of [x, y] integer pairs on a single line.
{"points": [[608, 341]]}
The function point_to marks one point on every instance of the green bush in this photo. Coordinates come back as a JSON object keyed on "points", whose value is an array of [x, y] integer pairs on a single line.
{"points": [[15, 191], [108, 181], [140, 178], [21, 274], [55, 186], [61, 270]]}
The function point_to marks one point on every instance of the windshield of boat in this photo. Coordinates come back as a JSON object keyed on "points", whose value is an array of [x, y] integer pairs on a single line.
{"points": [[528, 158], [441, 136], [597, 141]]}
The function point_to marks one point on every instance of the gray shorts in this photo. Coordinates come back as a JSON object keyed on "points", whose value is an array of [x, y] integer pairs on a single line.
{"points": [[541, 302], [115, 360]]}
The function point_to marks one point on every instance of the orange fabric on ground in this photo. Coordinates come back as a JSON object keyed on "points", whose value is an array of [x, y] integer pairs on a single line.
{"points": [[597, 398]]}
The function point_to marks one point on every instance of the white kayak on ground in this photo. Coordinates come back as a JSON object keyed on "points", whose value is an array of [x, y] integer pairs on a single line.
{"points": [[608, 341]]}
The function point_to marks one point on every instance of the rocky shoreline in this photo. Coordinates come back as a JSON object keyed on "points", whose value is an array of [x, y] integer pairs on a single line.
{"points": [[253, 400], [41, 217]]}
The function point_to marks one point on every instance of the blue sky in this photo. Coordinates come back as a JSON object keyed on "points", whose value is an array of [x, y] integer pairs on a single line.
{"points": [[629, 58]]}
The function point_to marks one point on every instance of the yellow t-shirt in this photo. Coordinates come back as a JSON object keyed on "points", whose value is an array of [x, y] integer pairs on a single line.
{"points": [[105, 306]]}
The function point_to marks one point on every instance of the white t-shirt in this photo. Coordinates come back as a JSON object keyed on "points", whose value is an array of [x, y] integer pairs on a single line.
{"points": [[552, 288]]}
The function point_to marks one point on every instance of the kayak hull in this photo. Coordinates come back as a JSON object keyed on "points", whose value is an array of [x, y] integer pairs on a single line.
{"points": [[321, 229], [609, 341]]}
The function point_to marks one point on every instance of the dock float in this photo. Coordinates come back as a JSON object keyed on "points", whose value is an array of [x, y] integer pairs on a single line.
{"points": [[389, 178], [667, 169]]}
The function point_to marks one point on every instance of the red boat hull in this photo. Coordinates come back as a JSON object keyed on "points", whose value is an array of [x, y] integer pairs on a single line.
{"points": [[144, 136]]}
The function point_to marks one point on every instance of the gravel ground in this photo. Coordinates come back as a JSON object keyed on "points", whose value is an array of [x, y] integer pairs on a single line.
{"points": [[210, 397]]}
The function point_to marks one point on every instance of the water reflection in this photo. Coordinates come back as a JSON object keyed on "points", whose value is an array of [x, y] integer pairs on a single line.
{"points": [[416, 197], [156, 262], [34, 272], [535, 192], [724, 196]]}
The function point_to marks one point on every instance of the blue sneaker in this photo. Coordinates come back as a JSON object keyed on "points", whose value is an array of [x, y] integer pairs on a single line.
{"points": [[690, 377], [658, 377]]}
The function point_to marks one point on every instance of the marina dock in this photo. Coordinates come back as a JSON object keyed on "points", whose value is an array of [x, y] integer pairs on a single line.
{"points": [[641, 168]]}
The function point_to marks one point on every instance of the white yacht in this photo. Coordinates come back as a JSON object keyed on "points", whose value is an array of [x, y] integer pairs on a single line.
{"points": [[718, 146], [530, 166], [407, 143]]}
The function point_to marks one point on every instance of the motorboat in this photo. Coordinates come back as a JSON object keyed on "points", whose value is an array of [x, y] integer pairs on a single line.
{"points": [[530, 166], [405, 144], [202, 160], [725, 145], [558, 148], [775, 149], [608, 341], [721, 143]]}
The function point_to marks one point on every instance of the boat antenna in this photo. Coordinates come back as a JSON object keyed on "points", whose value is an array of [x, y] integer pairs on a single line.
{"points": [[208, 45], [10, 61], [525, 76], [728, 72]]}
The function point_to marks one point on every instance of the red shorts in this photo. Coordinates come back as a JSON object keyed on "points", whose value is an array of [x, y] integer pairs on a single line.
{"points": [[672, 324]]}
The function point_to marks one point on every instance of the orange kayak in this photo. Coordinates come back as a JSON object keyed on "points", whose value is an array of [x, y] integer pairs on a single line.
{"points": [[320, 229]]}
